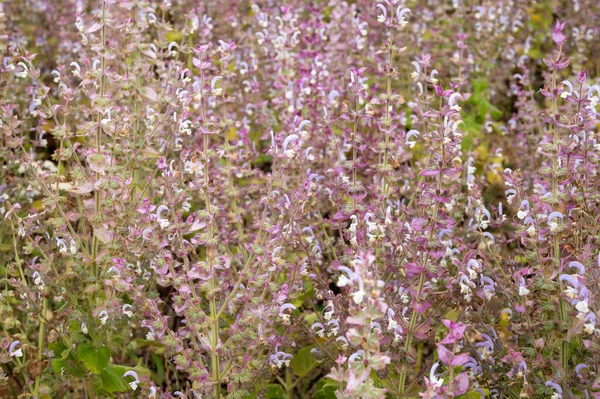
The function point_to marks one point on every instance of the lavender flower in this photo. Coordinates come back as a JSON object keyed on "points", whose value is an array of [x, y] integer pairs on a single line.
{"points": [[133, 384]]}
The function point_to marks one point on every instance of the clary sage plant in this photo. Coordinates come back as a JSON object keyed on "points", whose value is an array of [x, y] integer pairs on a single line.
{"points": [[310, 199]]}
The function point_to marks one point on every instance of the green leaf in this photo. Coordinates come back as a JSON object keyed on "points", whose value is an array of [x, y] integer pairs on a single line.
{"points": [[59, 349], [58, 365], [95, 359], [474, 394], [327, 392], [112, 380], [275, 391], [174, 36], [304, 362], [67, 367], [241, 394], [325, 388], [159, 375]]}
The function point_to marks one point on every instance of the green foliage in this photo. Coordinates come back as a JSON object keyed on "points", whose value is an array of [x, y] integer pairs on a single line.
{"points": [[325, 389], [111, 380], [65, 362], [95, 359], [475, 111], [303, 362], [275, 391]]}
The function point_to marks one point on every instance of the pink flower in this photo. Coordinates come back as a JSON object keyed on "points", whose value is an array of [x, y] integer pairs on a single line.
{"points": [[557, 35], [456, 331], [449, 358]]}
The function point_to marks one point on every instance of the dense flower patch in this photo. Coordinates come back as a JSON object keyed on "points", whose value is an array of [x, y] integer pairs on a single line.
{"points": [[275, 199]]}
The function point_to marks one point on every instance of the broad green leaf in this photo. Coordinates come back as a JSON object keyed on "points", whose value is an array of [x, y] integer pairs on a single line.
{"points": [[174, 36], [95, 359], [275, 391], [112, 380], [303, 362], [325, 388], [67, 367], [159, 375], [327, 392]]}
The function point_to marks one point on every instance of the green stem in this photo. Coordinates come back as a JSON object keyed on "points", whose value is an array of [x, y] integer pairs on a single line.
{"points": [[210, 248], [556, 244], [289, 386], [17, 257], [387, 122], [90, 388], [40, 345], [56, 204], [409, 335], [214, 357], [97, 204], [413, 317], [354, 154]]}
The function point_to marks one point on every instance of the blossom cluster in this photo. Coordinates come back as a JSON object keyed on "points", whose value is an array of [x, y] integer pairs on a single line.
{"points": [[329, 199]]}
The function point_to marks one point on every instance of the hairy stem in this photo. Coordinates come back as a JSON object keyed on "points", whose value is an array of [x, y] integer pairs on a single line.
{"points": [[97, 204], [387, 123]]}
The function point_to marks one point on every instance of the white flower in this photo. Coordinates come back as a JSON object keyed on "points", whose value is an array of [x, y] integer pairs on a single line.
{"points": [[320, 331], [464, 288], [79, 24], [37, 278], [343, 281], [185, 127], [582, 306], [127, 312], [280, 359], [15, 353], [571, 292], [436, 382], [103, 316], [135, 382], [194, 168], [333, 330], [589, 328], [84, 328], [405, 298], [521, 214], [290, 153], [163, 222], [329, 312], [392, 324], [62, 246], [523, 290], [150, 335], [358, 296], [25, 71], [488, 294], [472, 274], [72, 247]]}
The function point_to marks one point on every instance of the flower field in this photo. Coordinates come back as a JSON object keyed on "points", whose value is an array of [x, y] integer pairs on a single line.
{"points": [[312, 199]]}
